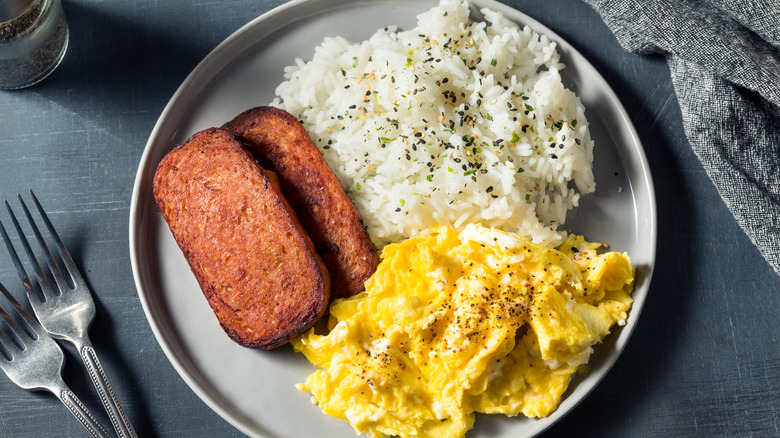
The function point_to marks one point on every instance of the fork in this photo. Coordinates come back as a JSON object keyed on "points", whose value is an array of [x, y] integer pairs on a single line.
{"points": [[67, 313], [33, 360]]}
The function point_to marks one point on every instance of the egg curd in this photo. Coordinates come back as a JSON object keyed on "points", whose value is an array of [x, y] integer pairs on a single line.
{"points": [[457, 323]]}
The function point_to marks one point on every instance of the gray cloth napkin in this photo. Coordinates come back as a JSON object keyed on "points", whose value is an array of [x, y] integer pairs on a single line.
{"points": [[724, 58]]}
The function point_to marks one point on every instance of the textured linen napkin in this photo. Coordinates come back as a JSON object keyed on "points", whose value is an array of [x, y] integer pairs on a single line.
{"points": [[724, 58]]}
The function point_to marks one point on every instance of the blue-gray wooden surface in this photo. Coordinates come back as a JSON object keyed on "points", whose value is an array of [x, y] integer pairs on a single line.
{"points": [[703, 361]]}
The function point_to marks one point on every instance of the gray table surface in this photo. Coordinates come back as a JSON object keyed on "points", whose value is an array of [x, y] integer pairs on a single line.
{"points": [[703, 360]]}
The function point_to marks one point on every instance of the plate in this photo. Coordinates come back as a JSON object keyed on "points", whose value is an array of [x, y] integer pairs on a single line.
{"points": [[253, 390]]}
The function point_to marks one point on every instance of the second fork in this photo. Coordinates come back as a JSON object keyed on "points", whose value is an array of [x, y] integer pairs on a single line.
{"points": [[34, 361], [65, 307]]}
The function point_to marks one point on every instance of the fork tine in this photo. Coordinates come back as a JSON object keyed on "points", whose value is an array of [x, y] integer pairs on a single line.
{"points": [[7, 345], [26, 282], [33, 330], [70, 265], [53, 266], [46, 287], [5, 340], [43, 281]]}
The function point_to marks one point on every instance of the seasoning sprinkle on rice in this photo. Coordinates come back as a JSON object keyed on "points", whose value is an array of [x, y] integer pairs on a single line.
{"points": [[452, 122]]}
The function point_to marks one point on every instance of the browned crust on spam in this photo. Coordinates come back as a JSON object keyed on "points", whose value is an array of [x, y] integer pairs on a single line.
{"points": [[279, 142], [257, 269]]}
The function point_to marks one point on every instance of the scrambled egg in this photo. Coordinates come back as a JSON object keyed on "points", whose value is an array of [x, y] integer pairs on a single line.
{"points": [[457, 323]]}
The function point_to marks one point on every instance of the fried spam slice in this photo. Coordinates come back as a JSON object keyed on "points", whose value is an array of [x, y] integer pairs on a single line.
{"points": [[257, 268], [279, 142]]}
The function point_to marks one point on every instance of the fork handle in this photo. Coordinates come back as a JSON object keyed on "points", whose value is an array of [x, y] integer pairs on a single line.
{"points": [[110, 401], [82, 414]]}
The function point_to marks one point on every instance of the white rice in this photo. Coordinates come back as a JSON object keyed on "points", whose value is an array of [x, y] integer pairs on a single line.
{"points": [[452, 122]]}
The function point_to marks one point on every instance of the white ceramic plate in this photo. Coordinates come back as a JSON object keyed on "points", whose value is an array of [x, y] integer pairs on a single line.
{"points": [[253, 390]]}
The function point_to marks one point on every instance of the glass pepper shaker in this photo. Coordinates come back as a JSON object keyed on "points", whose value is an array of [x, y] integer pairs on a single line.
{"points": [[33, 41]]}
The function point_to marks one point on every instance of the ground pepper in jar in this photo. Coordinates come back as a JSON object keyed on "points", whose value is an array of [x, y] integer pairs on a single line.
{"points": [[33, 40]]}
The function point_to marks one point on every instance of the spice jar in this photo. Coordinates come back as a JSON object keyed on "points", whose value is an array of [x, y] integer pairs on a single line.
{"points": [[33, 40]]}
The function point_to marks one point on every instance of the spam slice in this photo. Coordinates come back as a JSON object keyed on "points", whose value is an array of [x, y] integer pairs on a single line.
{"points": [[279, 142], [258, 270]]}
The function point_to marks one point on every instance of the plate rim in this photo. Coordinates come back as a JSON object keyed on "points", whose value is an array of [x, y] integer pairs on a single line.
{"points": [[158, 321]]}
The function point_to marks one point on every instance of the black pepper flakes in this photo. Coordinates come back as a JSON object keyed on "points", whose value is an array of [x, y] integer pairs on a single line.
{"points": [[31, 43]]}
